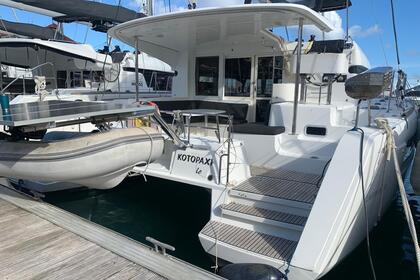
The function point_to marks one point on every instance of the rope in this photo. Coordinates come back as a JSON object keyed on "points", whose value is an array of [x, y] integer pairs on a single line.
{"points": [[391, 148], [150, 154]]}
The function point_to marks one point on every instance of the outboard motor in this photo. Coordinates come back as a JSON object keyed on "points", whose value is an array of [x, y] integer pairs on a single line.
{"points": [[249, 271]]}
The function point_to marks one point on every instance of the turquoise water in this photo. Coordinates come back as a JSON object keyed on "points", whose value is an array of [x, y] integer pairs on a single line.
{"points": [[174, 213]]}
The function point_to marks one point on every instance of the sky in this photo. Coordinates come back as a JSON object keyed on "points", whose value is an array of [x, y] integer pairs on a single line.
{"points": [[370, 25]]}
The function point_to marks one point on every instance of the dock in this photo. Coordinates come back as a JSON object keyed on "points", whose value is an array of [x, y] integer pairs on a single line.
{"points": [[41, 241]]}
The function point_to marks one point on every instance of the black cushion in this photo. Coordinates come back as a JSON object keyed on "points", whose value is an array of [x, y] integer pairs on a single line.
{"points": [[237, 110], [257, 129]]}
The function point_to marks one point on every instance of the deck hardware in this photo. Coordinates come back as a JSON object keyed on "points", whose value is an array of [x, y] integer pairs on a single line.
{"points": [[160, 247]]}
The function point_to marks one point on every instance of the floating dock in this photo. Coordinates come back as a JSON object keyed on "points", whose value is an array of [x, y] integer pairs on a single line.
{"points": [[41, 241]]}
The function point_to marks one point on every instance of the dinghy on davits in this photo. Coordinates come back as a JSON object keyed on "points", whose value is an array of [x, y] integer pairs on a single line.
{"points": [[98, 160]]}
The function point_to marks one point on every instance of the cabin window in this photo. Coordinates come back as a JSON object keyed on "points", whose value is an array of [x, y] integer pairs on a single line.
{"points": [[156, 80], [238, 77], [207, 76], [76, 79], [270, 71], [61, 79]]}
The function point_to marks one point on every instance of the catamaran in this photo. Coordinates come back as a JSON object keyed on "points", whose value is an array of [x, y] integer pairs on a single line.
{"points": [[300, 149], [70, 67]]}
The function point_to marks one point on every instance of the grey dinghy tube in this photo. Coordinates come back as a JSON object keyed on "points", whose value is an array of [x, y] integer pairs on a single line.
{"points": [[99, 160]]}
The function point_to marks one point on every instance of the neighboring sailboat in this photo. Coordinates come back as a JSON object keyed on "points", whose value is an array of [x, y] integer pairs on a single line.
{"points": [[288, 175], [74, 67]]}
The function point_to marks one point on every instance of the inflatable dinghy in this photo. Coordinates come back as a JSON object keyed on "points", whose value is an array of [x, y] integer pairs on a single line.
{"points": [[96, 160]]}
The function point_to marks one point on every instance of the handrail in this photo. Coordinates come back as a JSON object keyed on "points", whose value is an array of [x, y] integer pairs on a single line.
{"points": [[168, 130], [24, 75]]}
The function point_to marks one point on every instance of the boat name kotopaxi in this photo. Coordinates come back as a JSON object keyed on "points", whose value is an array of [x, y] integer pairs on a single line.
{"points": [[195, 159]]}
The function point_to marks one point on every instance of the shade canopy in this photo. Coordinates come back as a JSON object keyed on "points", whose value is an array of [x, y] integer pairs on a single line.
{"points": [[101, 16], [169, 34]]}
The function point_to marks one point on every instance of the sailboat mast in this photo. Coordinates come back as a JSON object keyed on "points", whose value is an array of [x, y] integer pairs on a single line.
{"points": [[149, 7]]}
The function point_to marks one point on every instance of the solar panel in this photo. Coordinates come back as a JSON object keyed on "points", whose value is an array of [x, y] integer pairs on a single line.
{"points": [[34, 113]]}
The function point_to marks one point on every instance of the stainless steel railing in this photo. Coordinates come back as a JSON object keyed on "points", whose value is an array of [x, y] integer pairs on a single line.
{"points": [[23, 76]]}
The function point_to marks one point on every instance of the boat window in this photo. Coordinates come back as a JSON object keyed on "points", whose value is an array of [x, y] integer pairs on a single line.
{"points": [[61, 79], [76, 79], [207, 76], [238, 77], [156, 80], [357, 69], [270, 71], [97, 76]]}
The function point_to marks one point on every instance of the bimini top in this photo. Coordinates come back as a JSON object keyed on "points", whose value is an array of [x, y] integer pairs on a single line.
{"points": [[172, 33]]}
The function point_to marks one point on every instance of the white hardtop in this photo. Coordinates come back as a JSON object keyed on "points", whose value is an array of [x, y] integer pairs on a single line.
{"points": [[165, 36]]}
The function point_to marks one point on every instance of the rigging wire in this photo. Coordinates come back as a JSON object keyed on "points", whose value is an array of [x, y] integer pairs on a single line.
{"points": [[395, 33], [381, 40]]}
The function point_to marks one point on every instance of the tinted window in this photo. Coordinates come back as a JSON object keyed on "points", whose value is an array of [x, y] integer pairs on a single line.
{"points": [[357, 69], [207, 76], [238, 77]]}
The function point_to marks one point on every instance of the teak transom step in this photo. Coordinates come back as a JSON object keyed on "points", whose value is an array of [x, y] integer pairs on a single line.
{"points": [[293, 176], [256, 242], [265, 213], [279, 188]]}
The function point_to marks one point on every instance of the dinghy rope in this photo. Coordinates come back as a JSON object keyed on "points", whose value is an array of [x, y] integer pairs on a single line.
{"points": [[391, 152], [143, 173]]}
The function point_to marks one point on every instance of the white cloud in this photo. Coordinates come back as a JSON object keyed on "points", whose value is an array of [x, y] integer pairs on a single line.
{"points": [[357, 31], [337, 28]]}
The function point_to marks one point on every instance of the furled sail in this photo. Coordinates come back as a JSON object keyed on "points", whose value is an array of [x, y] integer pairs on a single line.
{"points": [[31, 30]]}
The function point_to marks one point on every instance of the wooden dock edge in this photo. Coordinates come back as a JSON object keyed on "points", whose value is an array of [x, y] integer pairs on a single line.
{"points": [[166, 266]]}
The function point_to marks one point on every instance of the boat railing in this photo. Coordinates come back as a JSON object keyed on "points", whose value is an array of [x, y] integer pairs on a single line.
{"points": [[327, 82], [182, 125], [227, 154], [22, 76]]}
